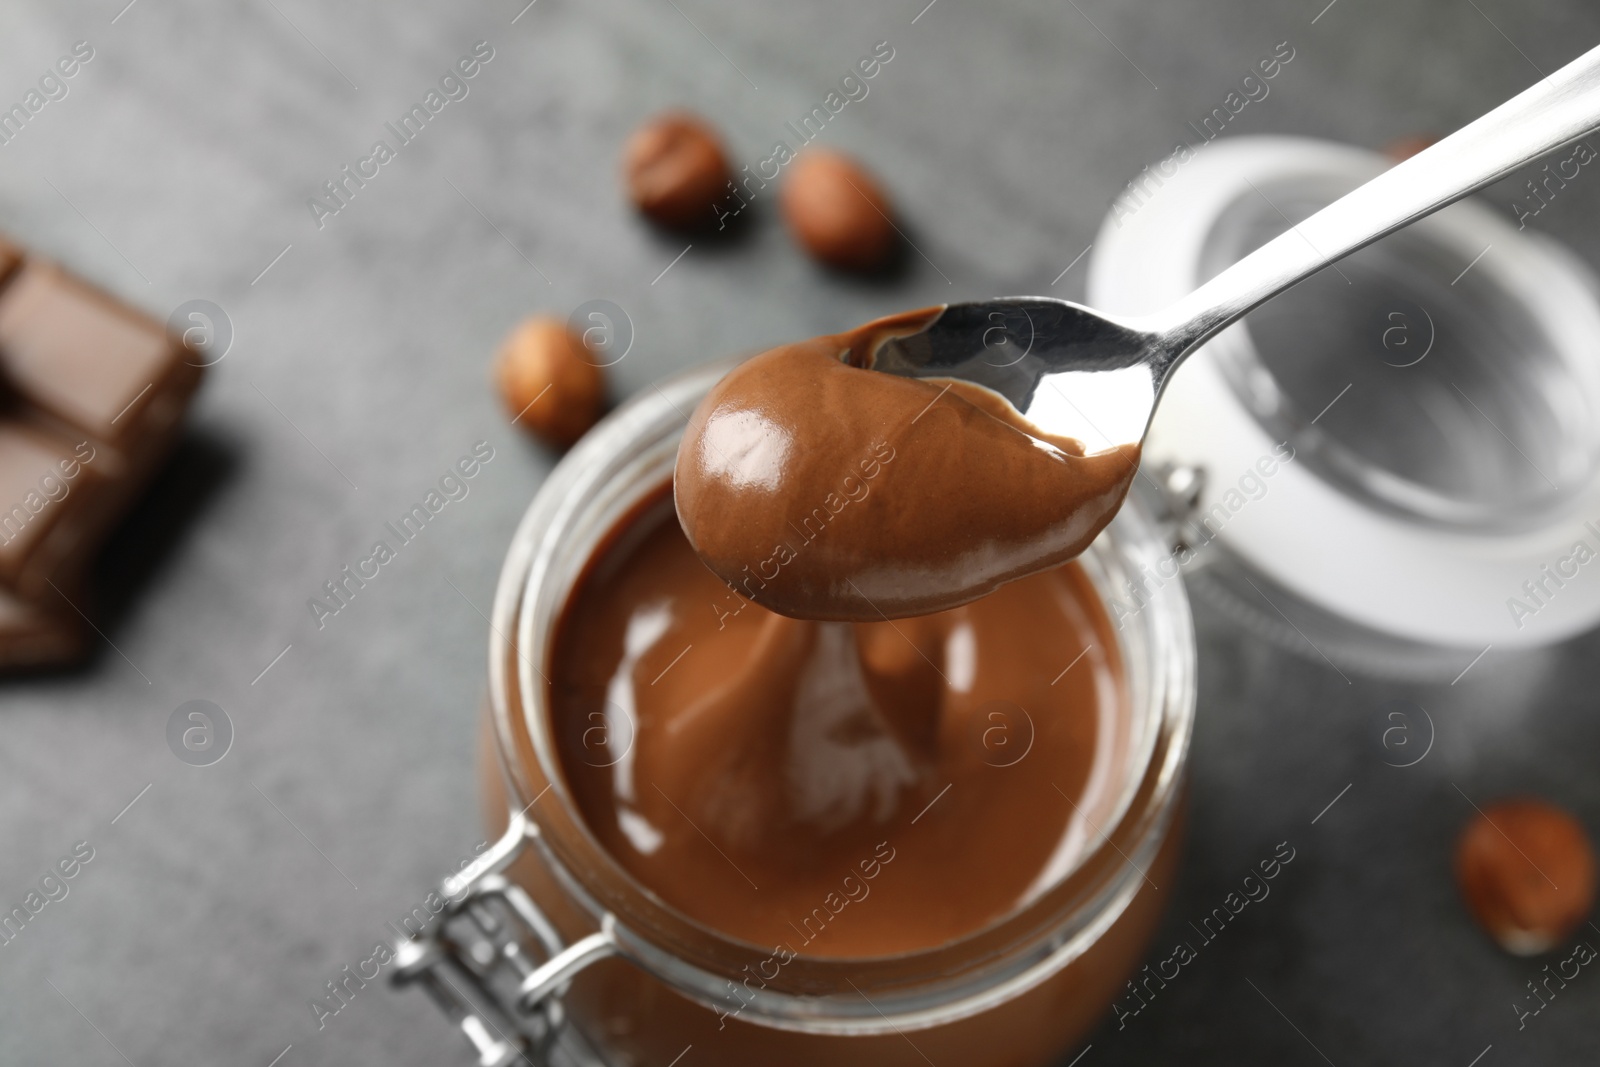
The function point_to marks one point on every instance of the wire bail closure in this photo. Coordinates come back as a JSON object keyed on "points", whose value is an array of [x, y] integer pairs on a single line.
{"points": [[492, 939]]}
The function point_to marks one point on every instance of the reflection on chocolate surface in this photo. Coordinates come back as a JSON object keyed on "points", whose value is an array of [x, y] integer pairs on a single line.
{"points": [[845, 790], [824, 490]]}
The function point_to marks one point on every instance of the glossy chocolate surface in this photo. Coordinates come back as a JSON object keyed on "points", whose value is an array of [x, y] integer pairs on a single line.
{"points": [[842, 789], [825, 490]]}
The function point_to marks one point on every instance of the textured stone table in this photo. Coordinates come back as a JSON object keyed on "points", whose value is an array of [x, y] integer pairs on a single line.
{"points": [[179, 165]]}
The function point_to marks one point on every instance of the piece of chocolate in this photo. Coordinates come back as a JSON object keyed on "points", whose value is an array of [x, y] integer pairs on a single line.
{"points": [[10, 259], [96, 364], [41, 526], [33, 637], [91, 397]]}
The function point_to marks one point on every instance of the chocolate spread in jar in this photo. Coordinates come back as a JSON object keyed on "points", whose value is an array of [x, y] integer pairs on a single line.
{"points": [[840, 789], [825, 490]]}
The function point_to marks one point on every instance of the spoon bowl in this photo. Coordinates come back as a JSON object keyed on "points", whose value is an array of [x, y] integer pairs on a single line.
{"points": [[1068, 369]]}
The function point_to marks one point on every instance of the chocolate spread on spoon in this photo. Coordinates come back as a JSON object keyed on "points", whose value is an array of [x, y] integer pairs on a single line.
{"points": [[821, 489]]}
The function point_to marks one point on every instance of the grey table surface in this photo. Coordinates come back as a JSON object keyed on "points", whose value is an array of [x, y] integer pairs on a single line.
{"points": [[179, 166]]}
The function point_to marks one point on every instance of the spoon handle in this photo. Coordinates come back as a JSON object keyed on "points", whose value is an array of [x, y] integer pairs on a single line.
{"points": [[1554, 112]]}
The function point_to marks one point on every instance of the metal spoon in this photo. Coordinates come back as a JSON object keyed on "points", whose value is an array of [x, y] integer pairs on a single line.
{"points": [[1105, 373]]}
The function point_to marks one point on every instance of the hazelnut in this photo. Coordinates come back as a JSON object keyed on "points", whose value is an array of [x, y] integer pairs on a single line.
{"points": [[549, 381], [676, 170], [1403, 148], [1527, 871], [838, 212]]}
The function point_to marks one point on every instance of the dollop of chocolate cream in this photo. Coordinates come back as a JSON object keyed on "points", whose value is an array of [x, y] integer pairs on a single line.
{"points": [[822, 489], [837, 789]]}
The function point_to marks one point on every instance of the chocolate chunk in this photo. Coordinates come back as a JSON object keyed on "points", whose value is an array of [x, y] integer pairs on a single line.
{"points": [[33, 637], [10, 259], [93, 394], [103, 368], [40, 524]]}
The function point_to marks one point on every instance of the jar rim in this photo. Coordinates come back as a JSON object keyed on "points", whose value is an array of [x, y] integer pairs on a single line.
{"points": [[607, 472]]}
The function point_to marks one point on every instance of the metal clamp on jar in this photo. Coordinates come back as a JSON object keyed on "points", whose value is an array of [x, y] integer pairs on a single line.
{"points": [[482, 937]]}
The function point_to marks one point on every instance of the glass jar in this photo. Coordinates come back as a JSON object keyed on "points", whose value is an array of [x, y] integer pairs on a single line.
{"points": [[569, 959]]}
